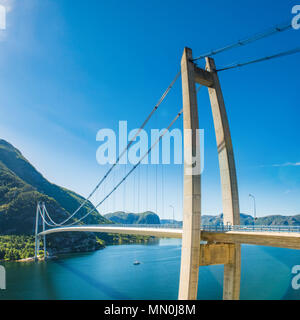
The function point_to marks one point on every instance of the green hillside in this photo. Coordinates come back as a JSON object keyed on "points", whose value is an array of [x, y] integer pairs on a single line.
{"points": [[21, 187]]}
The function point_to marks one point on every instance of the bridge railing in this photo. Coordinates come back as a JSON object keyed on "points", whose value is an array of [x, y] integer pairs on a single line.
{"points": [[216, 228], [250, 228], [156, 226]]}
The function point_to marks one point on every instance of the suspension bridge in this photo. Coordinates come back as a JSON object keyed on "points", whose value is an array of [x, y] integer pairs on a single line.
{"points": [[202, 245]]}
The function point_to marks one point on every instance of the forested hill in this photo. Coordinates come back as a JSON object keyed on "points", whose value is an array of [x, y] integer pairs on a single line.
{"points": [[21, 186]]}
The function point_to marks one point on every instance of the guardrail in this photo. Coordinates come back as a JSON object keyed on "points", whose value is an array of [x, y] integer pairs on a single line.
{"points": [[216, 228], [156, 226], [251, 228]]}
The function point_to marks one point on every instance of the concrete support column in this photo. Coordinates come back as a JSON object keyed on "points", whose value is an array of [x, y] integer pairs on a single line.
{"points": [[231, 210], [232, 276], [190, 253]]}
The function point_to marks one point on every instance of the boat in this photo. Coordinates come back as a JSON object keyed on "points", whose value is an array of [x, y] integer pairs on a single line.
{"points": [[136, 263]]}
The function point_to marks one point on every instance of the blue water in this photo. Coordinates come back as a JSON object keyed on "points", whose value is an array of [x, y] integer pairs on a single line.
{"points": [[110, 274]]}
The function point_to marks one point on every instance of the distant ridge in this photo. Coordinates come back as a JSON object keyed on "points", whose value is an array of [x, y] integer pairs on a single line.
{"points": [[272, 220], [147, 217], [143, 218]]}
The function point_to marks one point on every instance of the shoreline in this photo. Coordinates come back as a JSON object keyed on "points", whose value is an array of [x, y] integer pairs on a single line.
{"points": [[151, 240], [62, 254], [31, 259]]}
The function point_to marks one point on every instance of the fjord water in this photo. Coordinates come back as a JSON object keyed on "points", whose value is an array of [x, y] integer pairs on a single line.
{"points": [[110, 274]]}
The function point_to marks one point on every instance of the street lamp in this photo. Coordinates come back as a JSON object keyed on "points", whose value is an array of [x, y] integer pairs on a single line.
{"points": [[173, 213], [254, 202]]}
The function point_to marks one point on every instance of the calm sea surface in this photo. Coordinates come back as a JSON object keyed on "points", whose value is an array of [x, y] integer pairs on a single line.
{"points": [[110, 274]]}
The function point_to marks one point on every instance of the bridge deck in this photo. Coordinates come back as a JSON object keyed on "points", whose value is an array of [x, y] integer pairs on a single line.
{"points": [[155, 232], [289, 240]]}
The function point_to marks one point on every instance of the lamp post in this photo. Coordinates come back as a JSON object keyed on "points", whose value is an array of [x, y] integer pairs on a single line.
{"points": [[173, 213], [254, 202]]}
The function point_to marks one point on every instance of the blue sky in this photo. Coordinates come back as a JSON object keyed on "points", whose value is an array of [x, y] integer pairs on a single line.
{"points": [[70, 68]]}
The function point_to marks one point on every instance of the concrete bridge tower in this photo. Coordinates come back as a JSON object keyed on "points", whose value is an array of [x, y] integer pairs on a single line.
{"points": [[193, 254]]}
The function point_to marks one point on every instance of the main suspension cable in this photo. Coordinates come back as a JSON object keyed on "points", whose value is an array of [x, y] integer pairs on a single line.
{"points": [[124, 151], [134, 167], [125, 177], [278, 55], [246, 41]]}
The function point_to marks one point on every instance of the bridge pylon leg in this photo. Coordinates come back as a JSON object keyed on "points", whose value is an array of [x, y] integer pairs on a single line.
{"points": [[191, 249], [230, 197], [190, 253]]}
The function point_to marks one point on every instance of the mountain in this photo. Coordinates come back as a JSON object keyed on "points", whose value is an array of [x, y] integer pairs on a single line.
{"points": [[21, 184], [276, 220], [171, 221], [147, 217], [21, 187], [152, 218], [273, 220]]}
